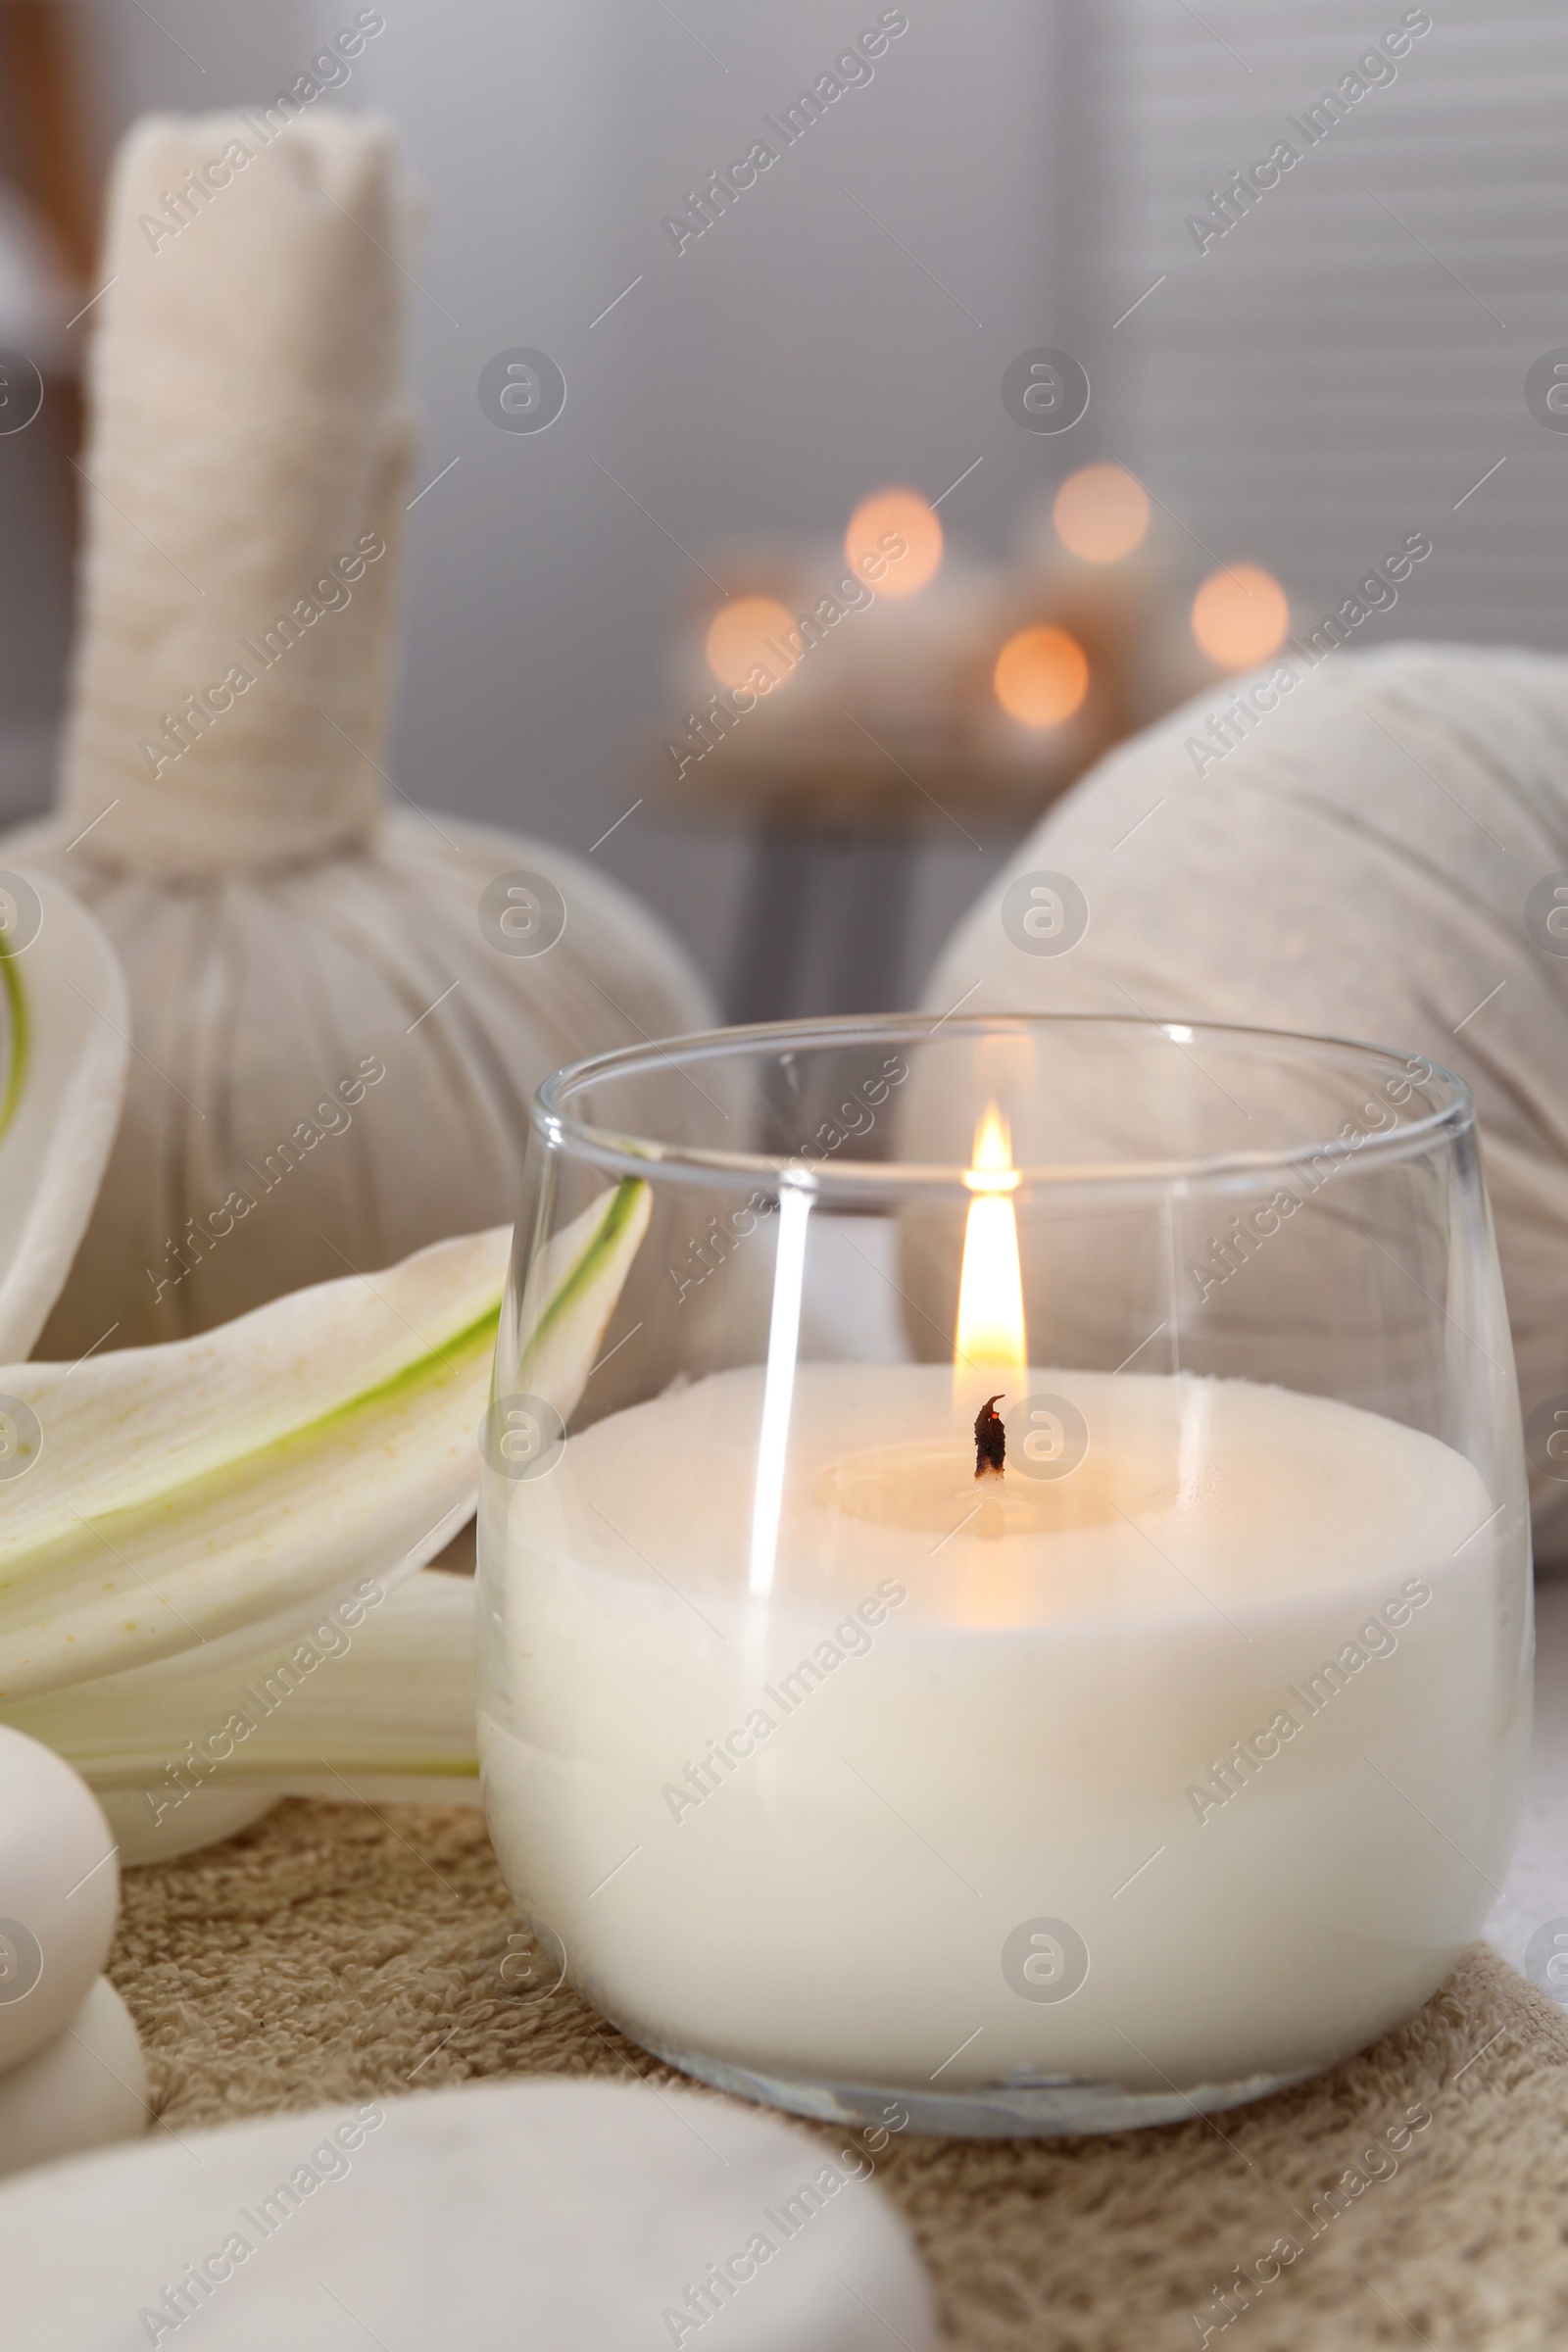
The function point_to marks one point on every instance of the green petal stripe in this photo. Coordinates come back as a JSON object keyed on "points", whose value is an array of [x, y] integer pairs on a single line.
{"points": [[456, 1355], [618, 1215], [20, 1039]]}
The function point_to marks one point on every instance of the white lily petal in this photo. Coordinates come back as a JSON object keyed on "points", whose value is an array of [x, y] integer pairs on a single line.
{"points": [[385, 1698], [184, 1492], [236, 1483], [574, 1285], [65, 1028]]}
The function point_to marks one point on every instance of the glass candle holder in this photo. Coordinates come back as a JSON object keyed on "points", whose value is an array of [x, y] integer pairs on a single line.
{"points": [[1004, 1560]]}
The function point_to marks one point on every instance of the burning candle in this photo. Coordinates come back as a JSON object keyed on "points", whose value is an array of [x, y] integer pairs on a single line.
{"points": [[1044, 1749]]}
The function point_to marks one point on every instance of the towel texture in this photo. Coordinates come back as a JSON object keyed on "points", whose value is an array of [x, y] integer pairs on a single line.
{"points": [[333, 1953]]}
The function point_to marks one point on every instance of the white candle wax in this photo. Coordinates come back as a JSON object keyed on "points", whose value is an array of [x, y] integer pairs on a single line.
{"points": [[794, 1832]]}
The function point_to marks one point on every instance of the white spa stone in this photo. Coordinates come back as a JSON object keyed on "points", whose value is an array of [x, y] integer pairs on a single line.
{"points": [[59, 1893], [566, 2216], [202, 1817], [81, 2090]]}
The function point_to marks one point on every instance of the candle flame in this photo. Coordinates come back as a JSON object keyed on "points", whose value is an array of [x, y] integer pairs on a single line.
{"points": [[990, 1339]]}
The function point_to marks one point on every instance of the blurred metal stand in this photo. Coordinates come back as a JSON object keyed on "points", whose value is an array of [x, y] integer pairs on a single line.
{"points": [[824, 925]]}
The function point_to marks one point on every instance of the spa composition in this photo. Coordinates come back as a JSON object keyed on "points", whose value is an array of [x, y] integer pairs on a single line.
{"points": [[1048, 1650]]}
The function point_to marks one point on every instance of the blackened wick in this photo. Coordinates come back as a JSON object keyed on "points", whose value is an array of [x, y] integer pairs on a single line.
{"points": [[990, 1437]]}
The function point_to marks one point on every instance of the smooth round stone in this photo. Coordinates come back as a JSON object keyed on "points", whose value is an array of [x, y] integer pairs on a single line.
{"points": [[567, 2216], [201, 1818], [81, 2090], [59, 1895]]}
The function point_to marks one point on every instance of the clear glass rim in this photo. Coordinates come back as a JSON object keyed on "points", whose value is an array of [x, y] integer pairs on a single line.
{"points": [[629, 1155]]}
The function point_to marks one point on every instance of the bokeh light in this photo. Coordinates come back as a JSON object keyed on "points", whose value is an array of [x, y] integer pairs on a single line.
{"points": [[1240, 615], [735, 637], [1041, 678], [880, 528], [1100, 514]]}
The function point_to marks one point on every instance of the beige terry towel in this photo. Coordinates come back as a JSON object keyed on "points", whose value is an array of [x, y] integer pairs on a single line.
{"points": [[336, 1954]]}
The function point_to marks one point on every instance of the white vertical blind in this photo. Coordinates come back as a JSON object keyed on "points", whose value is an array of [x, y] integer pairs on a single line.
{"points": [[1346, 361]]}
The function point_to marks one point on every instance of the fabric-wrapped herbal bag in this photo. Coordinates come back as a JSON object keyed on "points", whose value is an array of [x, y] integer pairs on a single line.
{"points": [[334, 1035], [1359, 861]]}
